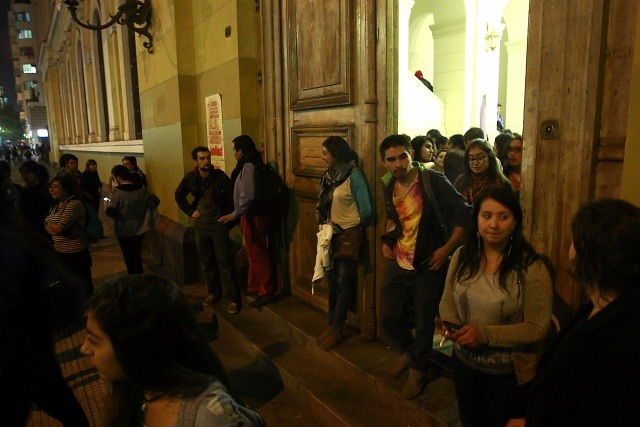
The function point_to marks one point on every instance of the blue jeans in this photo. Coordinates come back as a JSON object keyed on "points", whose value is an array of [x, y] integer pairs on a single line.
{"points": [[409, 299], [342, 279]]}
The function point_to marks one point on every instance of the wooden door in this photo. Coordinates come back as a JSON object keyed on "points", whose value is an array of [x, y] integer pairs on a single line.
{"points": [[579, 67], [319, 74]]}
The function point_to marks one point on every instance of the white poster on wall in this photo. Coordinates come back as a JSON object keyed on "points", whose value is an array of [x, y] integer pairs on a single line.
{"points": [[214, 130]]}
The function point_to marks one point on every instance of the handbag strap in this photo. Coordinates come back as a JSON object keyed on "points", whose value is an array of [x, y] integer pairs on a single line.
{"points": [[426, 184]]}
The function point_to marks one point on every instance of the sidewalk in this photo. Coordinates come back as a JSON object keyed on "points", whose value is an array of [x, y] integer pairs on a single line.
{"points": [[84, 380]]}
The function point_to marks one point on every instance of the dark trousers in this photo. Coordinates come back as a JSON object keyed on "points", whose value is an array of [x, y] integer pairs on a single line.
{"points": [[131, 248], [408, 299], [342, 279], [33, 376], [255, 231], [79, 263], [486, 400], [214, 251]]}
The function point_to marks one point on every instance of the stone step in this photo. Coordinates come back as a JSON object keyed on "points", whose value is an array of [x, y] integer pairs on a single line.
{"points": [[345, 386], [258, 382]]}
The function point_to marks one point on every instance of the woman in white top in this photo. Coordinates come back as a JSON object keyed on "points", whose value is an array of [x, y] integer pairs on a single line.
{"points": [[343, 202]]}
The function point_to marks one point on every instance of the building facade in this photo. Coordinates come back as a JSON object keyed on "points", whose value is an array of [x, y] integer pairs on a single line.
{"points": [[290, 74], [27, 34]]}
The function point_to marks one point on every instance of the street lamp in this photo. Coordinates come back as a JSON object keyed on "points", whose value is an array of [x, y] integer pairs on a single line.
{"points": [[135, 14]]}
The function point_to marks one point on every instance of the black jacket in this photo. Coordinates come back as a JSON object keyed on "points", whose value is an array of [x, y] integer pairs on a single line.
{"points": [[454, 210], [590, 374], [194, 184]]}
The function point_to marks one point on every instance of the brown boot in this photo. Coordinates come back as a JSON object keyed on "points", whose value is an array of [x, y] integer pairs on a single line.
{"points": [[323, 335], [414, 385], [400, 365], [333, 339]]}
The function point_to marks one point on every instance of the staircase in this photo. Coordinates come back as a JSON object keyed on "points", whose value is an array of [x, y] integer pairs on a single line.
{"points": [[276, 366]]}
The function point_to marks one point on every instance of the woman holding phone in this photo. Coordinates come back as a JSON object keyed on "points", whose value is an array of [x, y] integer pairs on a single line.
{"points": [[496, 307]]}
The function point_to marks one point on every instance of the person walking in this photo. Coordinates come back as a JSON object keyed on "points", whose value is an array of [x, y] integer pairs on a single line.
{"points": [[211, 190], [132, 210]]}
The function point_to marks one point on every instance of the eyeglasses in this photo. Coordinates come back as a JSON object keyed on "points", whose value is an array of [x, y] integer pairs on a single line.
{"points": [[479, 159]]}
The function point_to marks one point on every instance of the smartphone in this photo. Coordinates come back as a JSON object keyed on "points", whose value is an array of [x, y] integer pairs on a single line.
{"points": [[106, 199], [452, 327]]}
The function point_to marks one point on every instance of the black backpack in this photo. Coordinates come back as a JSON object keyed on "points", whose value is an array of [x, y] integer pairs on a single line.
{"points": [[271, 192]]}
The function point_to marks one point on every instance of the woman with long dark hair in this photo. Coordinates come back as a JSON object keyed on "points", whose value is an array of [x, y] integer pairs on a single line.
{"points": [[92, 184], [424, 151], [481, 168], [255, 227], [496, 307], [514, 161], [589, 375], [143, 338], [344, 203]]}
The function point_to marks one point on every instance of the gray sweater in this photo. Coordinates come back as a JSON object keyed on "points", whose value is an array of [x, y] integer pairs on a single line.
{"points": [[524, 332], [132, 210]]}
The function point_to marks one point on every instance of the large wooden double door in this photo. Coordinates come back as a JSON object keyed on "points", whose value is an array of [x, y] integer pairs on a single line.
{"points": [[319, 61]]}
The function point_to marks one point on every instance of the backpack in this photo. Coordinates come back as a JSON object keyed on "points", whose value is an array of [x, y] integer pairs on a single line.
{"points": [[94, 229], [271, 192]]}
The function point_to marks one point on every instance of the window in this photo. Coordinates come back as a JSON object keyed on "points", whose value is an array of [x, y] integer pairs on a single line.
{"points": [[29, 84], [26, 51], [29, 68], [25, 34], [23, 16]]}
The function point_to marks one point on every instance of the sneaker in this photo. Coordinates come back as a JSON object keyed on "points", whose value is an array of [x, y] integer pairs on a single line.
{"points": [[260, 301], [233, 308], [210, 300]]}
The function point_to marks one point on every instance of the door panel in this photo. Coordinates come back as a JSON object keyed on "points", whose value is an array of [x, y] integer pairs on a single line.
{"points": [[320, 53]]}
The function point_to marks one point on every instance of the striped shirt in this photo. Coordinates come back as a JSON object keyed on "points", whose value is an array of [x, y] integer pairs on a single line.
{"points": [[71, 215]]}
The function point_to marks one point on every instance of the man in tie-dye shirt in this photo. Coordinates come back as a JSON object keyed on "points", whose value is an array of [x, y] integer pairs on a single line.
{"points": [[417, 255]]}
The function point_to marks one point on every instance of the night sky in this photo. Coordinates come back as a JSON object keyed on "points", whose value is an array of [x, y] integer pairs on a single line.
{"points": [[6, 64]]}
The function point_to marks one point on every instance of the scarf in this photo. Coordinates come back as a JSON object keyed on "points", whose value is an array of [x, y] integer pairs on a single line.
{"points": [[332, 178], [478, 182]]}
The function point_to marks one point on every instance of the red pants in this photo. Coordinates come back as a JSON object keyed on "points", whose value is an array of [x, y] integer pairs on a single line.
{"points": [[255, 230]]}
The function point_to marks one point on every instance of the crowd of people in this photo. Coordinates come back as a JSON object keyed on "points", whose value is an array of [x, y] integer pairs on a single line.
{"points": [[456, 261]]}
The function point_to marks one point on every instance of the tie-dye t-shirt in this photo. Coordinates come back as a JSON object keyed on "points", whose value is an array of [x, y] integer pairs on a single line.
{"points": [[409, 207]]}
